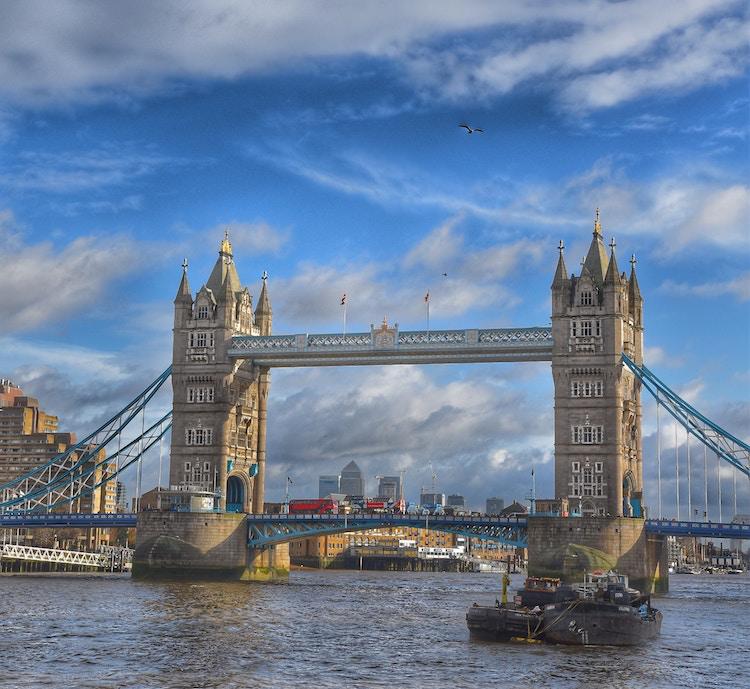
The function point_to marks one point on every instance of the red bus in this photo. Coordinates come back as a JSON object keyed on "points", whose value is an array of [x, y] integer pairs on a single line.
{"points": [[313, 506]]}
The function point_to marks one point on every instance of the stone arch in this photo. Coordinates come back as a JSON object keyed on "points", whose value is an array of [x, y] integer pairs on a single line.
{"points": [[238, 492]]}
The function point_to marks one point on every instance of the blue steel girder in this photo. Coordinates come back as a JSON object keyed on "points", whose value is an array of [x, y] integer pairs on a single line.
{"points": [[671, 527], [269, 529], [731, 449]]}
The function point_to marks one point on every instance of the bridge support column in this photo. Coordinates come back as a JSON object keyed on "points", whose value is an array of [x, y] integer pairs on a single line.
{"points": [[567, 547], [197, 545], [259, 485]]}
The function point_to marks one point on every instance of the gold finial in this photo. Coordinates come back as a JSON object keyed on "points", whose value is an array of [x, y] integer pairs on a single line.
{"points": [[226, 245], [597, 224]]}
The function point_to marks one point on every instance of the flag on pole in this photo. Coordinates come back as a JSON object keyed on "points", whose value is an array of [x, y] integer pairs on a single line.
{"points": [[343, 299], [427, 298], [289, 480]]}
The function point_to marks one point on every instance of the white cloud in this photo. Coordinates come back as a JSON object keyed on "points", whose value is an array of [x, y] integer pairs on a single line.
{"points": [[81, 170], [109, 51], [475, 278], [438, 249], [408, 417], [252, 237], [693, 56], [41, 284], [738, 287]]}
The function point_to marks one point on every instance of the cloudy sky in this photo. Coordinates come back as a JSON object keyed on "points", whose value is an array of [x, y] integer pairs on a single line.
{"points": [[325, 136]]}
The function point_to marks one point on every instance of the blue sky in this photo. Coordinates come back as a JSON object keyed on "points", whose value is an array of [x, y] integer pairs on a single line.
{"points": [[325, 136]]}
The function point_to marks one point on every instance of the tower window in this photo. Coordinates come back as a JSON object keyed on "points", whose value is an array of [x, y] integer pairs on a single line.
{"points": [[199, 436], [200, 395], [586, 388], [203, 311], [201, 339], [587, 298], [587, 435]]}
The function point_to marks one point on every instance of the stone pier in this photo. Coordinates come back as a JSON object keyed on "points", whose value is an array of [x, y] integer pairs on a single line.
{"points": [[199, 545], [567, 547]]}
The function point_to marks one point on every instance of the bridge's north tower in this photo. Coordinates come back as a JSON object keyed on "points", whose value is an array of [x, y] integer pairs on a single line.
{"points": [[219, 405], [596, 316]]}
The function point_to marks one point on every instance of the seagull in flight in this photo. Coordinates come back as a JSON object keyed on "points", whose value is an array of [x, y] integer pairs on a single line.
{"points": [[445, 275], [471, 130]]}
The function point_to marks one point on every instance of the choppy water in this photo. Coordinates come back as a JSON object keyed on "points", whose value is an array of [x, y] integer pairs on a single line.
{"points": [[340, 629]]}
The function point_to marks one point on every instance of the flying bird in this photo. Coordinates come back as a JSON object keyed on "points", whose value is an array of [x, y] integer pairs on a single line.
{"points": [[471, 130], [445, 275]]}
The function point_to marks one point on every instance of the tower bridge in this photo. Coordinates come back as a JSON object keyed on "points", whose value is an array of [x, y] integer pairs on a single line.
{"points": [[223, 353]]}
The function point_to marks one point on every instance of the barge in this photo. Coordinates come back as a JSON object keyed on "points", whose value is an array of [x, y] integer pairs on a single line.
{"points": [[602, 611]]}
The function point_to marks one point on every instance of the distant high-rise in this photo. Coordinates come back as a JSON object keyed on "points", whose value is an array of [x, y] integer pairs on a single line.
{"points": [[352, 480], [327, 484], [122, 497], [495, 505], [456, 501], [389, 487], [30, 437], [431, 498]]}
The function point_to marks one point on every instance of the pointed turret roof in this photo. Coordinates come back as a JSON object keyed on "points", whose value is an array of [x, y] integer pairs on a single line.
{"points": [[224, 269], [184, 289], [613, 274], [264, 303], [596, 259], [634, 292], [561, 273]]}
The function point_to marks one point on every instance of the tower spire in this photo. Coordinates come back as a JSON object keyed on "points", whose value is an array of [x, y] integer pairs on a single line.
{"points": [[561, 272], [634, 291], [596, 259], [613, 273], [184, 289], [263, 312]]}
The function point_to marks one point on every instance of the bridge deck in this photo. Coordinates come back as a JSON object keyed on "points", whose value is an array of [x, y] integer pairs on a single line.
{"points": [[354, 522], [394, 347]]}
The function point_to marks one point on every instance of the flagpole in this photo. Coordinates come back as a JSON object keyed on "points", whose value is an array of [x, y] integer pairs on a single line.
{"points": [[343, 304], [427, 303]]}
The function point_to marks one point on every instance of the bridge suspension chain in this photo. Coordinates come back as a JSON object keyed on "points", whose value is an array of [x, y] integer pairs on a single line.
{"points": [[81, 480], [726, 446], [84, 467]]}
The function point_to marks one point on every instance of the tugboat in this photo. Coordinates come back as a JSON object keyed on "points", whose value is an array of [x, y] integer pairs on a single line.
{"points": [[602, 610], [606, 613]]}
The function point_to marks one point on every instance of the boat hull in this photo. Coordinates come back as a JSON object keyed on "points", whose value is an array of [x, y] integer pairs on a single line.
{"points": [[502, 624], [599, 624]]}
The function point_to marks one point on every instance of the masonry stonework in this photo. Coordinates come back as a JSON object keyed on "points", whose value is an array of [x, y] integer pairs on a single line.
{"points": [[596, 316], [199, 545], [219, 406]]}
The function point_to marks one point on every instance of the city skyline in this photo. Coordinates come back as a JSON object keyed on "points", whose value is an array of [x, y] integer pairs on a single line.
{"points": [[342, 170]]}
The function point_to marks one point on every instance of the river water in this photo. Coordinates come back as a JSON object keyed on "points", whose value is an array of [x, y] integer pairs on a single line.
{"points": [[340, 629]]}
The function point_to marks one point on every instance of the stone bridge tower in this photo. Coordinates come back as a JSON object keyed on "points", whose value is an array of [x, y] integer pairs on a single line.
{"points": [[596, 316], [219, 405]]}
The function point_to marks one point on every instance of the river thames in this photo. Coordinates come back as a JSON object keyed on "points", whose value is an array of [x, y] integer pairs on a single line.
{"points": [[340, 629]]}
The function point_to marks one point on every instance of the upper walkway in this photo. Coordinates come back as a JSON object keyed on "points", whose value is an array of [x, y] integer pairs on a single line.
{"points": [[387, 345]]}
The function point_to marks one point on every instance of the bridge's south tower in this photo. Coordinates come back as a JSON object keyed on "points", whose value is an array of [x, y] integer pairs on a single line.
{"points": [[219, 407], [596, 316]]}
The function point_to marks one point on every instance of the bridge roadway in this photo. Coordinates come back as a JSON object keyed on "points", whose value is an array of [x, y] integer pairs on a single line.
{"points": [[279, 527], [390, 346]]}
